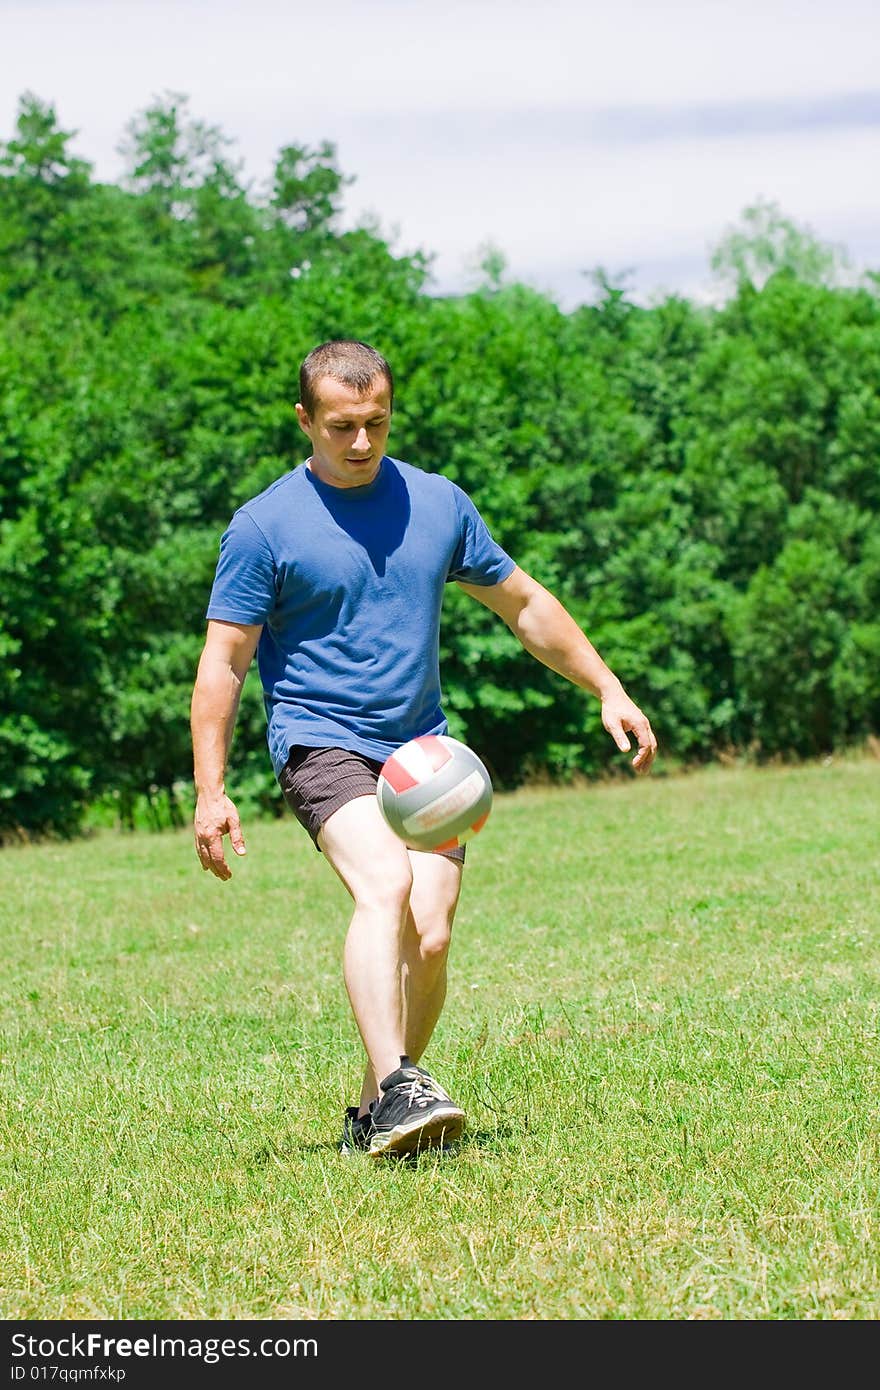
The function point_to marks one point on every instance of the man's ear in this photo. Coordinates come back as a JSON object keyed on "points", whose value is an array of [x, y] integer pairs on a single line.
{"points": [[302, 416]]}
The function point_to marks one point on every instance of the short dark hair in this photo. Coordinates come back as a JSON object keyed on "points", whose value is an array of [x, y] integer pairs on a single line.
{"points": [[353, 363]]}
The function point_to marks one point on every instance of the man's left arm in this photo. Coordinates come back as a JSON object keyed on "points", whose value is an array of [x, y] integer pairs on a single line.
{"points": [[549, 633]]}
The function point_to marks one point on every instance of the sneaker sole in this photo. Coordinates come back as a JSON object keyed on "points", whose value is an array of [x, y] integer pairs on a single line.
{"points": [[441, 1127]]}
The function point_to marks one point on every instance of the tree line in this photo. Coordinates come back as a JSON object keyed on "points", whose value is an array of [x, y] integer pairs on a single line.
{"points": [[699, 485]]}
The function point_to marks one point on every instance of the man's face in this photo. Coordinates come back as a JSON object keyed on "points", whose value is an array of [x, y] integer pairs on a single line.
{"points": [[348, 432]]}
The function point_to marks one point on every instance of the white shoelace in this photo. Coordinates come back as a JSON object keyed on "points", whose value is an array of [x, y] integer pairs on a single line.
{"points": [[422, 1090]]}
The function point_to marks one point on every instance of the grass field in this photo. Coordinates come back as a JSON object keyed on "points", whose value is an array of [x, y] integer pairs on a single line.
{"points": [[662, 1020]]}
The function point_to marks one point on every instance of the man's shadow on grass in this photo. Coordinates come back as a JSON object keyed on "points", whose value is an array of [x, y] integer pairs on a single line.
{"points": [[496, 1138]]}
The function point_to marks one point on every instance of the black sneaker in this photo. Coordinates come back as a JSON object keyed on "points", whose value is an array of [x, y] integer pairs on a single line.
{"points": [[413, 1113], [356, 1130]]}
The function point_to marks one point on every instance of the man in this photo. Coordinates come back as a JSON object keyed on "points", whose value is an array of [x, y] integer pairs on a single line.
{"points": [[334, 576]]}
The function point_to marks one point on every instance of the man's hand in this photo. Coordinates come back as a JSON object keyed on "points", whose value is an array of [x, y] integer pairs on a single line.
{"points": [[550, 633], [619, 714], [213, 819]]}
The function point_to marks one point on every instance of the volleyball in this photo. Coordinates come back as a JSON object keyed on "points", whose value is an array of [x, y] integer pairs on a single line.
{"points": [[434, 792]]}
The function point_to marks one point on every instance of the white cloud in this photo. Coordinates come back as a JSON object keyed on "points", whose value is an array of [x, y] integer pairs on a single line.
{"points": [[569, 134]]}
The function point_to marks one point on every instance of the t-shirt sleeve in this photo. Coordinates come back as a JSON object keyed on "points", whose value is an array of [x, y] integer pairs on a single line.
{"points": [[478, 558], [244, 581]]}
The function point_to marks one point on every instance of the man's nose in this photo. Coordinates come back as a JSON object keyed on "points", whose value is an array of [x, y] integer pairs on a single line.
{"points": [[362, 442]]}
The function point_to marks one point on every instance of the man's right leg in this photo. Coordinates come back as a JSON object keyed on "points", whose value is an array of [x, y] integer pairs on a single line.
{"points": [[374, 866]]}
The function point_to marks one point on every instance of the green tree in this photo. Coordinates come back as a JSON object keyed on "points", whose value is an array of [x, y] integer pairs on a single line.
{"points": [[307, 188], [192, 197], [41, 182], [767, 242], [787, 634]]}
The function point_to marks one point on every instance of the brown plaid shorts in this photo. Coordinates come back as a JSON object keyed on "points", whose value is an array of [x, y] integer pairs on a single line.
{"points": [[317, 781]]}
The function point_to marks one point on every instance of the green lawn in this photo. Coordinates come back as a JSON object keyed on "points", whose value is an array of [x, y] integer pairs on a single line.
{"points": [[662, 1020]]}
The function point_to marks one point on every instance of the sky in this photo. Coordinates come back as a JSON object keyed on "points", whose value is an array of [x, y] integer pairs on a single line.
{"points": [[627, 136]]}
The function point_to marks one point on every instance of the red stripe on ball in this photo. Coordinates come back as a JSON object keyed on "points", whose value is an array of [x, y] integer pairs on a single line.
{"points": [[396, 775], [436, 752]]}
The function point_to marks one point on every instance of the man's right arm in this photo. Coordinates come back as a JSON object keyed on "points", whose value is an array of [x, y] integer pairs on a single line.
{"points": [[227, 654]]}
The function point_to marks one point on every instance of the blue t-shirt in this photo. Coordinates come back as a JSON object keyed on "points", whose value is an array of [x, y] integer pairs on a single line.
{"points": [[348, 584]]}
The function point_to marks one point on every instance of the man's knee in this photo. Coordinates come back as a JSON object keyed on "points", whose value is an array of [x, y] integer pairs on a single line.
{"points": [[434, 931]]}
